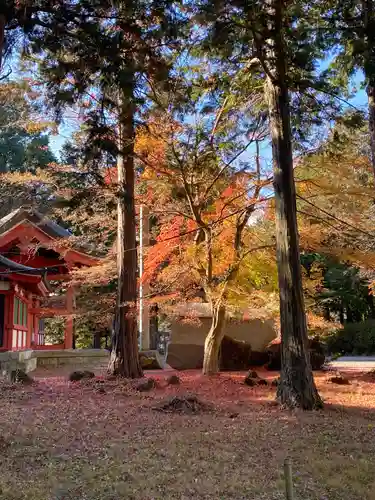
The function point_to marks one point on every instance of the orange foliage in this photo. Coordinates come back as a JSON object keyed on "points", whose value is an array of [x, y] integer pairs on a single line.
{"points": [[151, 145], [166, 243], [110, 176]]}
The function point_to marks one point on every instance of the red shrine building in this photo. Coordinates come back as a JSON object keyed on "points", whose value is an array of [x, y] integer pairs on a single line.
{"points": [[33, 258]]}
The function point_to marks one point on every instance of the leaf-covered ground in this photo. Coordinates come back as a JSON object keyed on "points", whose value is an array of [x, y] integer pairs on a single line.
{"points": [[105, 441]]}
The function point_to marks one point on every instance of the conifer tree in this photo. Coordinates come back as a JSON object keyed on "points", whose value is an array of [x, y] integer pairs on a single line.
{"points": [[352, 24], [106, 58], [276, 43]]}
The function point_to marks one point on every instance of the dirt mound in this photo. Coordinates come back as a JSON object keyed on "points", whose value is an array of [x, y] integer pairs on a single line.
{"points": [[187, 405]]}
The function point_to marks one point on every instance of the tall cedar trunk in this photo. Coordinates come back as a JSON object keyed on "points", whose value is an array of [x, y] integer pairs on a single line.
{"points": [[2, 38], [124, 356], [211, 362], [369, 70], [296, 387], [370, 302], [371, 121]]}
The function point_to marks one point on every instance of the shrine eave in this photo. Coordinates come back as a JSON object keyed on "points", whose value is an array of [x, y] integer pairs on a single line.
{"points": [[31, 225], [24, 274]]}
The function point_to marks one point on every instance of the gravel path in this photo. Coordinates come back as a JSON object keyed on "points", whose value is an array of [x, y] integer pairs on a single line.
{"points": [[354, 363]]}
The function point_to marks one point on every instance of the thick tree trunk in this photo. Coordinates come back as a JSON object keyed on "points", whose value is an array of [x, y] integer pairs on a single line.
{"points": [[211, 362], [124, 356], [296, 387], [370, 302], [368, 67], [2, 38], [371, 121]]}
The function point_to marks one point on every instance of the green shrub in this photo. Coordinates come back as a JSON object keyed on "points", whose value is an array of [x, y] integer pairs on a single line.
{"points": [[353, 338]]}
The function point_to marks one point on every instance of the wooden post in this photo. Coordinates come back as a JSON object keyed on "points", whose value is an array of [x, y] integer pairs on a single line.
{"points": [[69, 324], [10, 320], [288, 479], [35, 335]]}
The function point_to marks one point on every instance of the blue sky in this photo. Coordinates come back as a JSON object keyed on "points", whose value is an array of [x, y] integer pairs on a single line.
{"points": [[71, 123], [65, 132]]}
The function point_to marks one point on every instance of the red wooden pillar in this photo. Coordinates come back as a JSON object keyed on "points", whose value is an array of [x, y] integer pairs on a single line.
{"points": [[9, 320], [69, 326], [30, 322], [35, 334], [6, 326]]}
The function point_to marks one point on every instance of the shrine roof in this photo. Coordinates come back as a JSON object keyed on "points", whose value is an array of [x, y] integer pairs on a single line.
{"points": [[22, 214], [19, 273], [30, 224], [10, 265]]}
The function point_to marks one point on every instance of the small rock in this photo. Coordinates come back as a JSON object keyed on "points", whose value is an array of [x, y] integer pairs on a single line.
{"points": [[20, 377], [275, 382], [273, 403], [150, 361], [146, 385], [233, 415], [173, 380], [79, 375], [340, 380], [76, 376], [251, 382], [262, 381], [251, 379]]}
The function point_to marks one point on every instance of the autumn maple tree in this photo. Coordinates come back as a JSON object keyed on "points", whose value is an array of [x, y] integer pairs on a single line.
{"points": [[203, 195], [336, 223]]}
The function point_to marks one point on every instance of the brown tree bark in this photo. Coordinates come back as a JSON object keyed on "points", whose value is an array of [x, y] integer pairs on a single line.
{"points": [[124, 359], [371, 122], [2, 38], [370, 302], [369, 69], [211, 362], [296, 387]]}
